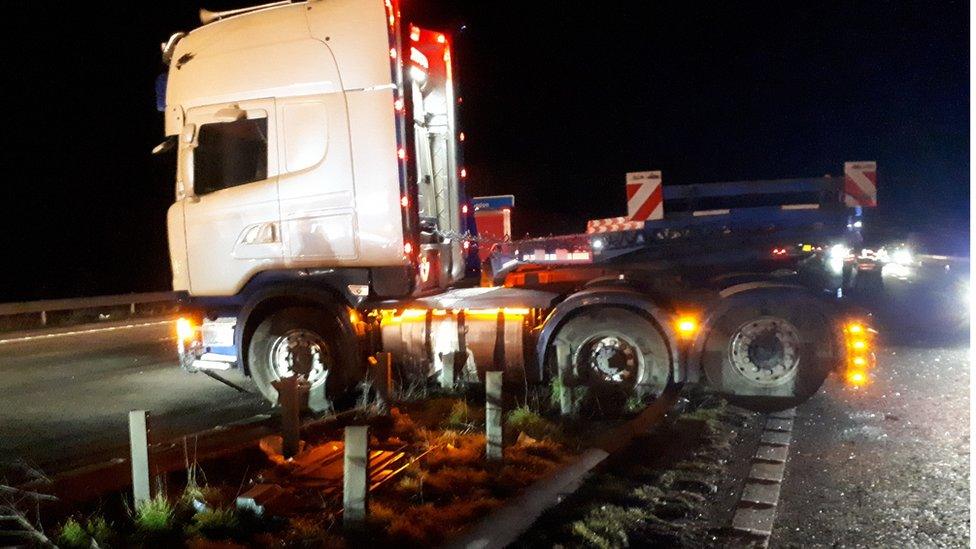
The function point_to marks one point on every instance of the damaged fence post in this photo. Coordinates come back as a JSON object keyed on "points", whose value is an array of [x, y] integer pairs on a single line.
{"points": [[381, 372], [139, 456], [493, 415], [292, 397], [355, 475]]}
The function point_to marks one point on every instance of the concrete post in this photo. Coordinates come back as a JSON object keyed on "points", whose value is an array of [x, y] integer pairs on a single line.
{"points": [[381, 373], [355, 475], [139, 456], [292, 397], [493, 415], [43, 318], [567, 407], [132, 309], [447, 370]]}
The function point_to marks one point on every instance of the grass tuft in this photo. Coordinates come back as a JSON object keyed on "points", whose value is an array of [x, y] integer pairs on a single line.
{"points": [[523, 419], [73, 535], [94, 531], [216, 524], [155, 516], [460, 416], [607, 526]]}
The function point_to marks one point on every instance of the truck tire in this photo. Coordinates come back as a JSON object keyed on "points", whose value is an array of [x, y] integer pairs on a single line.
{"points": [[769, 352], [613, 352], [283, 335]]}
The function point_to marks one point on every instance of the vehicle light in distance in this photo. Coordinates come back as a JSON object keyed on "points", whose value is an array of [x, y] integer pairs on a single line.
{"points": [[902, 256]]}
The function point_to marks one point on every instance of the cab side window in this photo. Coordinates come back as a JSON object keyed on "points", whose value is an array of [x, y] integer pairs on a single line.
{"points": [[229, 154]]}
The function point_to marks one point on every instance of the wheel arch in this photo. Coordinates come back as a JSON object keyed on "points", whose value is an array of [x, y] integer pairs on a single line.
{"points": [[267, 301], [621, 297]]}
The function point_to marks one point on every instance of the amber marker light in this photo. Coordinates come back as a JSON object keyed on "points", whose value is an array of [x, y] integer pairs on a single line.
{"points": [[856, 378], [859, 342], [184, 329], [687, 326]]}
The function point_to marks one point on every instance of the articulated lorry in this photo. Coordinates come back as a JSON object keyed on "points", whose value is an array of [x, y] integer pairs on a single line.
{"points": [[320, 217]]}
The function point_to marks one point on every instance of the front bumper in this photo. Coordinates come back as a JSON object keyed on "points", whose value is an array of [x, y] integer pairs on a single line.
{"points": [[208, 345]]}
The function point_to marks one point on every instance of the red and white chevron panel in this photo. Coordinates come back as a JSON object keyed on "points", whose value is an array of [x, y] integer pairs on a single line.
{"points": [[645, 197], [612, 224], [861, 184]]}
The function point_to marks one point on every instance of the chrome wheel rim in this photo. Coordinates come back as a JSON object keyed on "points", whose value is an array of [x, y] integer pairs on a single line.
{"points": [[289, 350], [766, 351], [610, 359]]}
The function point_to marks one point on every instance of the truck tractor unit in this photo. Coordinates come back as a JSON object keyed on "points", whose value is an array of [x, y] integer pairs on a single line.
{"points": [[320, 217]]}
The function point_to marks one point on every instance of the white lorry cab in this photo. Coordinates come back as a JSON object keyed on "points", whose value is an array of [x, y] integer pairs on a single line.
{"points": [[305, 131], [320, 217]]}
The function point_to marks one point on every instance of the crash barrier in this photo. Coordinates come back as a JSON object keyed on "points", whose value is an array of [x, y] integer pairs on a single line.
{"points": [[34, 314]]}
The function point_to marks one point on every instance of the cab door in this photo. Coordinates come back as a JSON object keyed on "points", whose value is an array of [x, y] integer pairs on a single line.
{"points": [[316, 187], [228, 179]]}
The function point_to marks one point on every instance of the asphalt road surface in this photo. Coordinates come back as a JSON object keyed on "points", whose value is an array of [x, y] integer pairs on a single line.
{"points": [[65, 398], [886, 465]]}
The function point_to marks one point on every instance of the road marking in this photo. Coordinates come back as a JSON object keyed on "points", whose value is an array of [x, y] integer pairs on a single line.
{"points": [[83, 332], [756, 511]]}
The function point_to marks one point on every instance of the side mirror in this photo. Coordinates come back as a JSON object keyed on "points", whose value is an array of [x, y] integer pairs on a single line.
{"points": [[167, 145]]}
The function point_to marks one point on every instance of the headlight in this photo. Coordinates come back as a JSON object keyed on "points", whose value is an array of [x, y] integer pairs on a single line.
{"points": [[903, 256], [838, 251], [836, 255], [185, 330]]}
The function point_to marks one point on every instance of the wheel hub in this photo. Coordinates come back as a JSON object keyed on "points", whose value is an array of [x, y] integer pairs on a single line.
{"points": [[612, 359], [766, 351], [301, 352]]}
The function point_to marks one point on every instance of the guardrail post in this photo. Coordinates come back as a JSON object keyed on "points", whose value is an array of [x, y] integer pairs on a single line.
{"points": [[132, 309], [292, 397], [139, 455], [493, 415], [567, 406], [355, 475], [447, 370], [43, 318], [381, 372]]}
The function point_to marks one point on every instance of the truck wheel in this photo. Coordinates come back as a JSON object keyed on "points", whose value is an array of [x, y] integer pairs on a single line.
{"points": [[289, 334], [614, 353], [769, 353]]}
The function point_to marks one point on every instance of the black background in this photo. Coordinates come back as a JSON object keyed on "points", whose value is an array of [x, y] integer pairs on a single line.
{"points": [[560, 100]]}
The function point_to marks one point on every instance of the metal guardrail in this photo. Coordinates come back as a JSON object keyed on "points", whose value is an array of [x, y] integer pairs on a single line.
{"points": [[45, 306]]}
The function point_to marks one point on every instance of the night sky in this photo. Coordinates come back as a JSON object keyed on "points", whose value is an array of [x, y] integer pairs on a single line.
{"points": [[560, 100]]}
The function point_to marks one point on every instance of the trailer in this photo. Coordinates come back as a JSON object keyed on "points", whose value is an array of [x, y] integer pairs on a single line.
{"points": [[320, 217]]}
